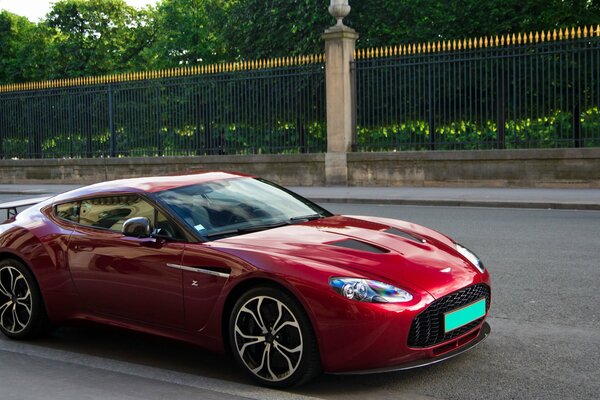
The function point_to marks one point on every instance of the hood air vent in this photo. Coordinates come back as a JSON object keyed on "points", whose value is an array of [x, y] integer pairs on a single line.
{"points": [[403, 234], [358, 245]]}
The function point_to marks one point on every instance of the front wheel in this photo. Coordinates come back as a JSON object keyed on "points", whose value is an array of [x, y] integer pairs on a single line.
{"points": [[272, 338], [22, 312]]}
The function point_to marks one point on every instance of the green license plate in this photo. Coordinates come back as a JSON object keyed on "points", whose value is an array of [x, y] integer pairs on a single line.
{"points": [[464, 315]]}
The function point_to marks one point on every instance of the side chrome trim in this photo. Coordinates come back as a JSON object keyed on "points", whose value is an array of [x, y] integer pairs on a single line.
{"points": [[199, 270]]}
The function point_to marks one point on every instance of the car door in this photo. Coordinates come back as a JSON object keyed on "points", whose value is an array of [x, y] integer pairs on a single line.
{"points": [[123, 276]]}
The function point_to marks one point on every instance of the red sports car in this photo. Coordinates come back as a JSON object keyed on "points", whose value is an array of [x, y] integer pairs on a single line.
{"points": [[236, 263]]}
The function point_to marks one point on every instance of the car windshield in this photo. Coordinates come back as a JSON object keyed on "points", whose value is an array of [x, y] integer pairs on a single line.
{"points": [[236, 206]]}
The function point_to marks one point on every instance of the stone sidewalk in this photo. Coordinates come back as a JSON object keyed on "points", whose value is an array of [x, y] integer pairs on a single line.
{"points": [[573, 199]]}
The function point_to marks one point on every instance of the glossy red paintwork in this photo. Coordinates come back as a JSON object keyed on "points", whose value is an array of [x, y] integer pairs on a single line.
{"points": [[105, 277]]}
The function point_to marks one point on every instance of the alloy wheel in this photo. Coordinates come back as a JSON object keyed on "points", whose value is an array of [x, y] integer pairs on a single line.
{"points": [[268, 338], [15, 300]]}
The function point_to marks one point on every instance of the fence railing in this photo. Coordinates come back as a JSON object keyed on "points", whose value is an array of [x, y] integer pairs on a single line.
{"points": [[537, 90], [269, 106], [521, 91]]}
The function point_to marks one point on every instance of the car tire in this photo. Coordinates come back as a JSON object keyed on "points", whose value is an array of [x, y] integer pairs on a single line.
{"points": [[22, 311], [272, 338]]}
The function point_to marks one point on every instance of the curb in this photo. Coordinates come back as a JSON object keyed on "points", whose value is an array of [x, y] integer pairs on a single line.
{"points": [[462, 203]]}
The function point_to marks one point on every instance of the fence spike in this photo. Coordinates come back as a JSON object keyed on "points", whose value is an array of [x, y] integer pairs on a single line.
{"points": [[520, 39], [578, 32], [554, 35], [598, 30], [573, 32], [585, 31]]}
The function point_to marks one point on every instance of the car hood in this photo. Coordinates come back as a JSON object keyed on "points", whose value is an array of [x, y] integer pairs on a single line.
{"points": [[393, 251]]}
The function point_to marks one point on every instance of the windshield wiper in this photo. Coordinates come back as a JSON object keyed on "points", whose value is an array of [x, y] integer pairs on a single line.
{"points": [[263, 227], [249, 229], [309, 217]]}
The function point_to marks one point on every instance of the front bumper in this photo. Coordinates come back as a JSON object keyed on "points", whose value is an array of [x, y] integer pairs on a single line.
{"points": [[484, 332]]}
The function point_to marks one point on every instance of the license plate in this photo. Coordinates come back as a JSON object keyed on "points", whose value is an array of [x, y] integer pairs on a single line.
{"points": [[464, 315]]}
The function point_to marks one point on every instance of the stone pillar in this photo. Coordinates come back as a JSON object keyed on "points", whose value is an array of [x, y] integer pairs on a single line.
{"points": [[339, 53]]}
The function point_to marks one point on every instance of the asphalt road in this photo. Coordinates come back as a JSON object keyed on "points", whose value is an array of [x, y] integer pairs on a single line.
{"points": [[545, 341]]}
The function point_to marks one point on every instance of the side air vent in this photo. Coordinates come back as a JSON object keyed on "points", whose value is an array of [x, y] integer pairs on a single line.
{"points": [[398, 232], [358, 245]]}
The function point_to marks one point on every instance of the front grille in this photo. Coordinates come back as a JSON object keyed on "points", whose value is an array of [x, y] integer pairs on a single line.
{"points": [[427, 328]]}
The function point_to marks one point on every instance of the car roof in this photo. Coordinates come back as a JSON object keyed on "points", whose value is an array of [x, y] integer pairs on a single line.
{"points": [[148, 184]]}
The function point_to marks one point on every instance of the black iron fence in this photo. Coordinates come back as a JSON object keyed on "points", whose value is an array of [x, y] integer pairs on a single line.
{"points": [[274, 106], [527, 91], [530, 91]]}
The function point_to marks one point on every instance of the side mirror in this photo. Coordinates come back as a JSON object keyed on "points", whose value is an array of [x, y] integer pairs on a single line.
{"points": [[139, 227]]}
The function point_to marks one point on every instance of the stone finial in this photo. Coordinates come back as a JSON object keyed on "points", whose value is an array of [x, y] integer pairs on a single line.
{"points": [[339, 9]]}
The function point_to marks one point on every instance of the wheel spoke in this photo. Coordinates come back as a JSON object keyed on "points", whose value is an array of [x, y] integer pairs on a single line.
{"points": [[277, 347], [261, 325], [25, 297], [17, 320], [273, 376], [287, 323], [17, 279], [262, 362], [294, 350], [255, 340], [280, 311], [5, 307], [3, 289], [12, 280], [262, 322], [25, 306]]}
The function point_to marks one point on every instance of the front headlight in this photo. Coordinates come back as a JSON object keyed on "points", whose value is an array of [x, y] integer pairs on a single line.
{"points": [[469, 255], [369, 291]]}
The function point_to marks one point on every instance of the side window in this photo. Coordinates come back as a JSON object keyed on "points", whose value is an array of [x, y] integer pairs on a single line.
{"points": [[165, 228], [68, 211], [111, 212]]}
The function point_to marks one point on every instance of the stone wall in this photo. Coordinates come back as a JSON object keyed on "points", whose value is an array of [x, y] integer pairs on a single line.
{"points": [[304, 170], [490, 168], [486, 168]]}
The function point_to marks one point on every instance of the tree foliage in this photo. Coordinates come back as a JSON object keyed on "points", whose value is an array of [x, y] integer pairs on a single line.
{"points": [[94, 37]]}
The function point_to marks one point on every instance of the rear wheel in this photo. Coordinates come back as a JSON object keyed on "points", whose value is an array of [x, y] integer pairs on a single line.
{"points": [[272, 338], [22, 312]]}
